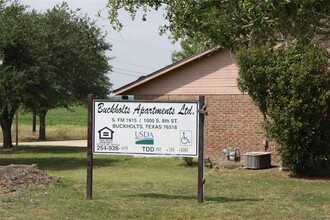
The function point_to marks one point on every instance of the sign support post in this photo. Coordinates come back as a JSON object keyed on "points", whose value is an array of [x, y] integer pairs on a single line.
{"points": [[90, 148], [201, 179], [143, 128]]}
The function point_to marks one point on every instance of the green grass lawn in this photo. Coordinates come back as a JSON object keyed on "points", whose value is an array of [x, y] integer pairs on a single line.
{"points": [[61, 124], [157, 188]]}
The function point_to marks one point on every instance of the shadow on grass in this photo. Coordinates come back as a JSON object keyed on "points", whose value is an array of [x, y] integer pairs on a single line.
{"points": [[316, 175], [53, 157], [58, 163], [43, 149], [189, 197]]}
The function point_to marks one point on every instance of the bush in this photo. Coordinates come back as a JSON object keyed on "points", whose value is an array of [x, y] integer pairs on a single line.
{"points": [[291, 86]]}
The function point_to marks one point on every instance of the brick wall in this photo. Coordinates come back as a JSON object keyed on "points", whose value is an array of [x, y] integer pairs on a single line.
{"points": [[232, 121]]}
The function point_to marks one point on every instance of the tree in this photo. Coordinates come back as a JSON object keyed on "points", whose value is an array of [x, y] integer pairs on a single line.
{"points": [[15, 69], [235, 24], [189, 47], [255, 30], [71, 60], [48, 60]]}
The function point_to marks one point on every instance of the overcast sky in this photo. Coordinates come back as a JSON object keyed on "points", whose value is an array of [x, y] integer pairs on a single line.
{"points": [[137, 50]]}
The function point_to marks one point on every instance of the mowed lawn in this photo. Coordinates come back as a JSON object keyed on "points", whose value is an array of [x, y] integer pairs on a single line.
{"points": [[148, 188], [157, 188]]}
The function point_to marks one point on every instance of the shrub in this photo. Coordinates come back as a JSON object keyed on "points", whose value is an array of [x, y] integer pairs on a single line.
{"points": [[291, 86]]}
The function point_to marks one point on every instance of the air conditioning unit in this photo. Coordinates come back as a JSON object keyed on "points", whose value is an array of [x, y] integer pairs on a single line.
{"points": [[257, 160]]}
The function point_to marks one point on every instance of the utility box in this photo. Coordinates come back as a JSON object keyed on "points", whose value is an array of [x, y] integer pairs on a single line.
{"points": [[257, 160]]}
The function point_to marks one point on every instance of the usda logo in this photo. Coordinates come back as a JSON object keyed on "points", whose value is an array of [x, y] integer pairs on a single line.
{"points": [[144, 138]]}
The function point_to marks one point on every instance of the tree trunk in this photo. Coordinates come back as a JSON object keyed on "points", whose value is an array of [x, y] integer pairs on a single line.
{"points": [[34, 122], [6, 122], [42, 125]]}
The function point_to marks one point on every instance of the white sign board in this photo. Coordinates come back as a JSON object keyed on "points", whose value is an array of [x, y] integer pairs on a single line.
{"points": [[145, 128]]}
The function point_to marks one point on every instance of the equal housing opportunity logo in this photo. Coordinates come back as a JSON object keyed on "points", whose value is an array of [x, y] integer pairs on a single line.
{"points": [[106, 133], [144, 138]]}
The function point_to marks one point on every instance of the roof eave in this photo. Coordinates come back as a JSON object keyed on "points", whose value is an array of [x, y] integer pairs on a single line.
{"points": [[124, 89]]}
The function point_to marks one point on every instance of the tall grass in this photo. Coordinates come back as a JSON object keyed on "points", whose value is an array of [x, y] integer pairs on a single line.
{"points": [[157, 188]]}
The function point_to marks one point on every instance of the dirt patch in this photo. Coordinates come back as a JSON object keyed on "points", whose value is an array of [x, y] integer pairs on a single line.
{"points": [[13, 177]]}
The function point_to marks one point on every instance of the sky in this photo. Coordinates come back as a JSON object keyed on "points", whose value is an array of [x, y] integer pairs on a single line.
{"points": [[137, 49]]}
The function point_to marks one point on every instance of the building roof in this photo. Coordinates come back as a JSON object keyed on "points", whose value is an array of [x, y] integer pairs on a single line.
{"points": [[143, 79]]}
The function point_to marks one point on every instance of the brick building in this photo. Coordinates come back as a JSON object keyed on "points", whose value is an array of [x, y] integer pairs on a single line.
{"points": [[233, 120]]}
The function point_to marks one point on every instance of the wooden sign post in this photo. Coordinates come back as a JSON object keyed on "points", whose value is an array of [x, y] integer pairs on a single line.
{"points": [[201, 178]]}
